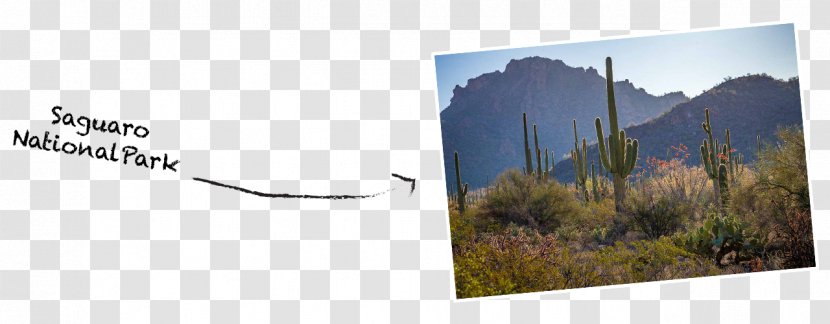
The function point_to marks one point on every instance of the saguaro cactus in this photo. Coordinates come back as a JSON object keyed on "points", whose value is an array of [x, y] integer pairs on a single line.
{"points": [[547, 166], [528, 159], [758, 142], [538, 154], [711, 161], [580, 161], [733, 160], [620, 155], [462, 190]]}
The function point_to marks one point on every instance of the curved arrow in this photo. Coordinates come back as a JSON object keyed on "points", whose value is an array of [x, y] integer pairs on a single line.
{"points": [[300, 196], [412, 180]]}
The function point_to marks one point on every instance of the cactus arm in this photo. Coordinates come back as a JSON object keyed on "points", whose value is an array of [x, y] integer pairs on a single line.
{"points": [[603, 152], [538, 154], [620, 153], [631, 150]]}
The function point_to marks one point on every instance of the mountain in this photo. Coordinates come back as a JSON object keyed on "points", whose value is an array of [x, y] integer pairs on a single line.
{"points": [[483, 121], [749, 106]]}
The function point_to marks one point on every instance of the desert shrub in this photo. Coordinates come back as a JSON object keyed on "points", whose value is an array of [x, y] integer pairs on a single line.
{"points": [[782, 168], [466, 227], [515, 260], [648, 260], [462, 229], [653, 215], [674, 180], [523, 200], [570, 233], [750, 203], [600, 235], [775, 199], [520, 259], [595, 226], [599, 213], [797, 240]]}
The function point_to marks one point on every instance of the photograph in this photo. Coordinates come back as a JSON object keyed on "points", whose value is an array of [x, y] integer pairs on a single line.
{"points": [[624, 160]]}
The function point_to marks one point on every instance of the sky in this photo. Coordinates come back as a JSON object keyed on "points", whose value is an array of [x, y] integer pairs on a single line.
{"points": [[688, 62]]}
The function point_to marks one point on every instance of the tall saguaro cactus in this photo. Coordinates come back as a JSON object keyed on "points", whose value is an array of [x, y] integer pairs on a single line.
{"points": [[620, 155], [716, 170], [462, 190], [528, 159], [580, 162], [538, 154]]}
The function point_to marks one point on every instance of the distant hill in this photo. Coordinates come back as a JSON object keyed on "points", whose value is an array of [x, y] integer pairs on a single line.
{"points": [[483, 120], [749, 106]]}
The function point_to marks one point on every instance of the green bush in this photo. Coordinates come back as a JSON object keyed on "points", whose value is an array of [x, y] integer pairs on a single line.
{"points": [[778, 183], [515, 260], [774, 199], [523, 200], [466, 227], [462, 229], [653, 215], [642, 261], [782, 169]]}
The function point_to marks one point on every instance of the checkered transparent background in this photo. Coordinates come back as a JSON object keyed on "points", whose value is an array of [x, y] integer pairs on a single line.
{"points": [[314, 97]]}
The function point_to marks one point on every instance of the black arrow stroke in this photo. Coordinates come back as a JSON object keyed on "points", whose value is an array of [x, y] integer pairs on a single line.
{"points": [[412, 180], [295, 196]]}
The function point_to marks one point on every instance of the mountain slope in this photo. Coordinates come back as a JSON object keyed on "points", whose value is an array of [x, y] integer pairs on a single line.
{"points": [[749, 106], [483, 120]]}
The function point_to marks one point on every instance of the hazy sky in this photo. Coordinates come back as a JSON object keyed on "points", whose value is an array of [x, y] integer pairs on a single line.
{"points": [[688, 62]]}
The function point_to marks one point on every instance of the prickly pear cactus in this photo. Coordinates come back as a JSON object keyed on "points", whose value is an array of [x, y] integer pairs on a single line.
{"points": [[721, 235]]}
